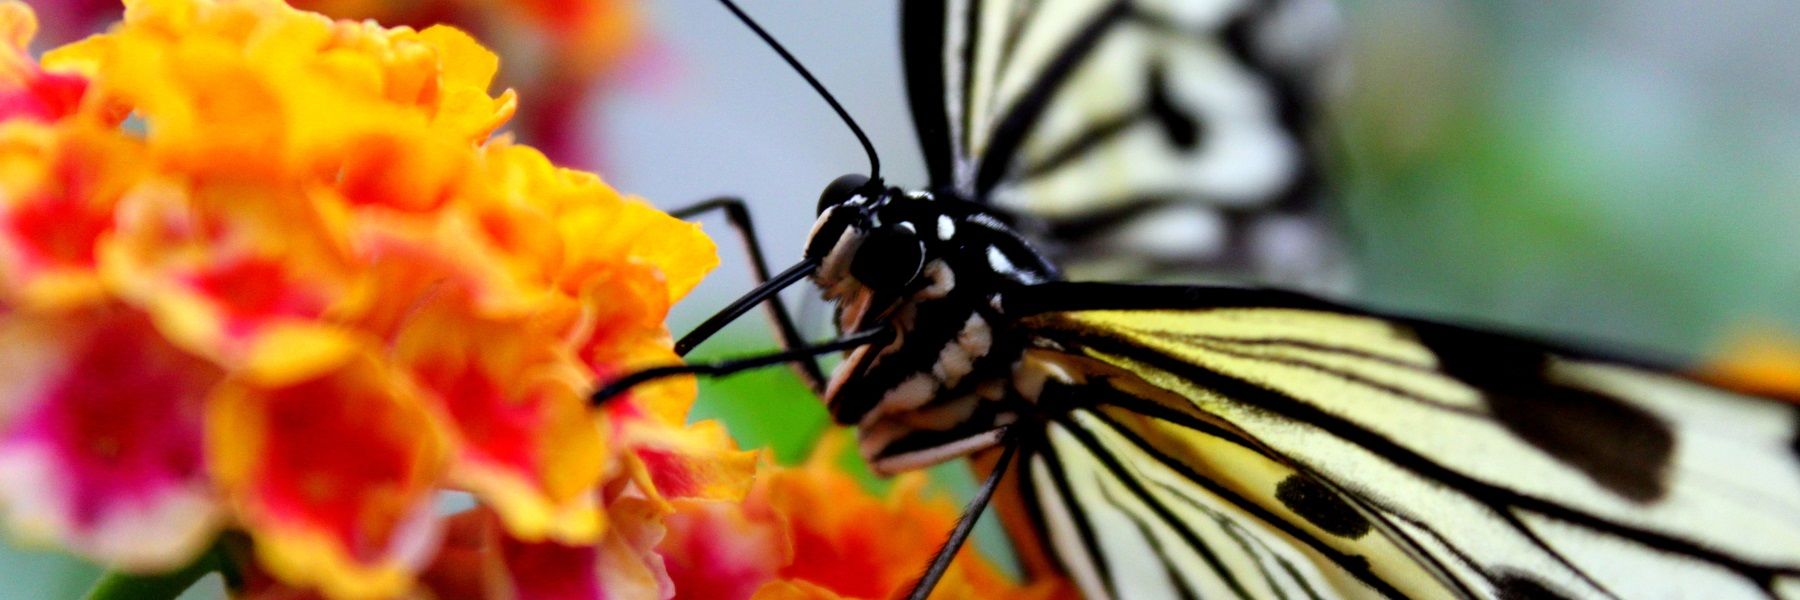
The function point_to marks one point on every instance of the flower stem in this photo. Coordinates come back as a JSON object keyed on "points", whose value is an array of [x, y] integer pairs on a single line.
{"points": [[118, 585]]}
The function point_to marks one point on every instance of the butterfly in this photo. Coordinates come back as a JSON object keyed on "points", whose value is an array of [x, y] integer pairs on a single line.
{"points": [[1180, 441]]}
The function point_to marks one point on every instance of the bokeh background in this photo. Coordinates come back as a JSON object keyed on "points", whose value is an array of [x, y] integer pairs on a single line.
{"points": [[1623, 173]]}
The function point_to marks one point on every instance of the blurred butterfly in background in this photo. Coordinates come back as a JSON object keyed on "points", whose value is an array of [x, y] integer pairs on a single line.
{"points": [[1132, 144], [1180, 441]]}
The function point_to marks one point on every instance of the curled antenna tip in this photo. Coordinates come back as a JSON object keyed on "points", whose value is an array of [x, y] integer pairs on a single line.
{"points": [[868, 147]]}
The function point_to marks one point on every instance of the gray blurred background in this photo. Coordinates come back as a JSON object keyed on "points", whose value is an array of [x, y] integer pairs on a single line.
{"points": [[1624, 173]]}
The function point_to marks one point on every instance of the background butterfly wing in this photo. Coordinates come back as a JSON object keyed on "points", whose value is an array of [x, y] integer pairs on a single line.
{"points": [[1135, 137], [1492, 464]]}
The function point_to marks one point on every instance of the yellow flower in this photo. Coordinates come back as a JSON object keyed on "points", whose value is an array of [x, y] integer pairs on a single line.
{"points": [[559, 52]]}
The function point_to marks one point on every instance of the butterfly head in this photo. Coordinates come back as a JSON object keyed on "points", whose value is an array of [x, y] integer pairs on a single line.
{"points": [[879, 247]]}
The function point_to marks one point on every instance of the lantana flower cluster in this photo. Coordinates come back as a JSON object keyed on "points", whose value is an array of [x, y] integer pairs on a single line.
{"points": [[268, 271]]}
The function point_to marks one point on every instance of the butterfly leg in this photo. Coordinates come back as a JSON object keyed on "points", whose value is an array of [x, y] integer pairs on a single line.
{"points": [[966, 523], [738, 215]]}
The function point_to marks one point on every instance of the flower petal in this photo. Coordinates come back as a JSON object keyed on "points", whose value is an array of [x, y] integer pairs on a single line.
{"points": [[102, 446], [623, 564], [224, 268], [699, 461], [332, 475], [716, 550], [59, 186], [793, 589], [526, 442], [676, 249], [624, 333], [630, 567], [27, 92]]}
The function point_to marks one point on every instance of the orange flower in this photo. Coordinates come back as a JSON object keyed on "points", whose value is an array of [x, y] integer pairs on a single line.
{"points": [[1759, 362], [301, 291], [813, 532]]}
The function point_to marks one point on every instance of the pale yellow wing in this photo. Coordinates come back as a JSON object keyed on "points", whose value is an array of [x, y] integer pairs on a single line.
{"points": [[1488, 465]]}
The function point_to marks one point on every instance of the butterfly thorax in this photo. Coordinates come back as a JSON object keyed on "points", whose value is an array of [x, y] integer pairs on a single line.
{"points": [[931, 270]]}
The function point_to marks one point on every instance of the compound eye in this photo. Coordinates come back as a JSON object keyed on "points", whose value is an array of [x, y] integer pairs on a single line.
{"points": [[827, 230], [841, 190], [888, 259]]}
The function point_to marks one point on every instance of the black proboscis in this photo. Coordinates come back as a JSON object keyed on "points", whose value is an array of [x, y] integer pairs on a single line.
{"points": [[723, 368], [738, 215], [743, 304]]}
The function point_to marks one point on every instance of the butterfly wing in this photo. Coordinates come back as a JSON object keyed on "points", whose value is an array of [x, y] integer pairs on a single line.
{"points": [[1140, 507], [1134, 135], [1395, 456]]}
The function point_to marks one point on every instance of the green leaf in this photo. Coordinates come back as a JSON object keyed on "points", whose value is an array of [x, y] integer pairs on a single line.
{"points": [[117, 585]]}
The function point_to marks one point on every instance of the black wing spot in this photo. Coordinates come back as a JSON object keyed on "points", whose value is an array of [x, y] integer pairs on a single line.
{"points": [[1623, 448], [1321, 507], [1182, 130], [1619, 446], [1518, 586]]}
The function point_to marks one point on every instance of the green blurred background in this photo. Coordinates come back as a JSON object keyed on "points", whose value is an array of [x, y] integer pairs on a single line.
{"points": [[1624, 173]]}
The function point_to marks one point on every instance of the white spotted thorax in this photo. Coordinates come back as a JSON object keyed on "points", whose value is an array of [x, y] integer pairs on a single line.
{"points": [[931, 270]]}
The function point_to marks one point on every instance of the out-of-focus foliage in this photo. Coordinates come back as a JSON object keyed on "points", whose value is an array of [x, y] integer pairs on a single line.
{"points": [[1606, 172]]}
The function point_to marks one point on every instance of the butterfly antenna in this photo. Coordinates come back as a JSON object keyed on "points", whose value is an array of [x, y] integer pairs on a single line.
{"points": [[868, 147]]}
